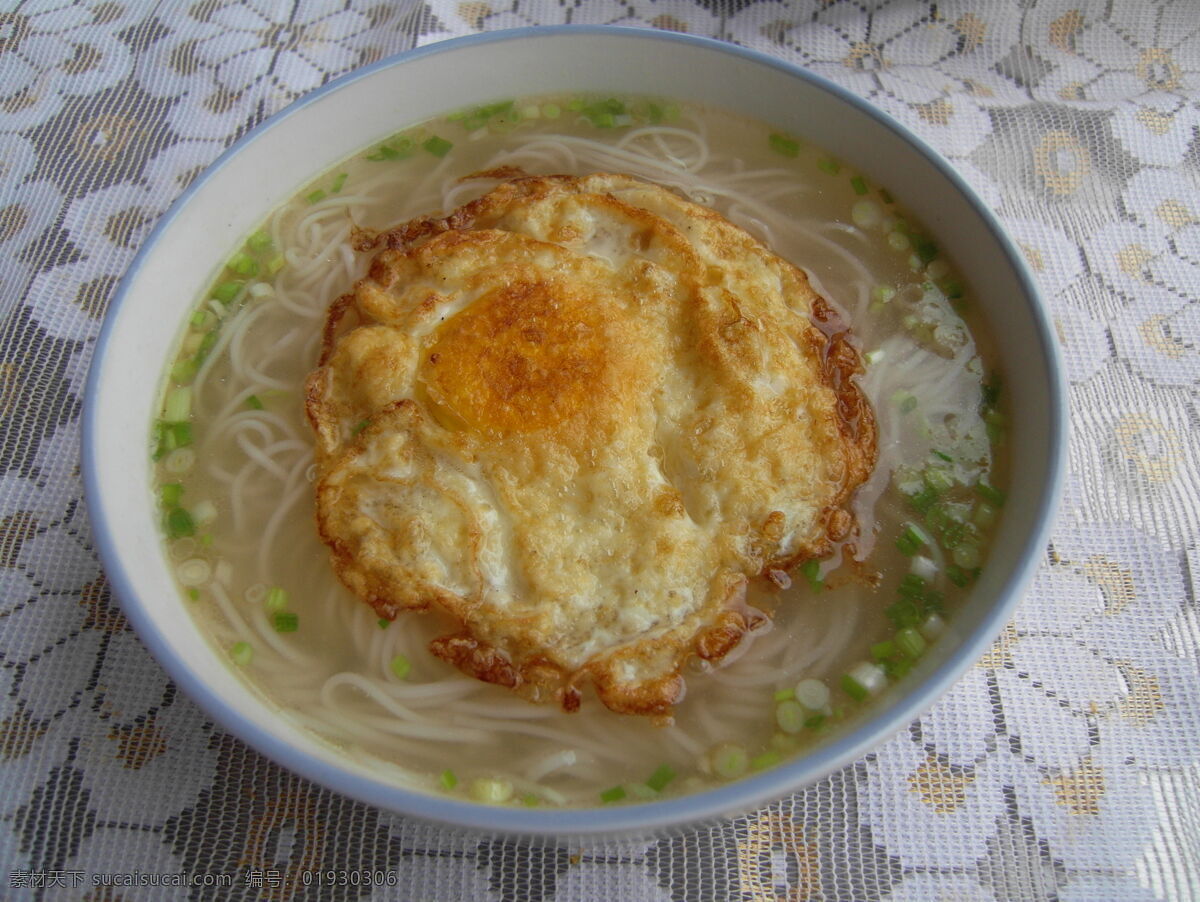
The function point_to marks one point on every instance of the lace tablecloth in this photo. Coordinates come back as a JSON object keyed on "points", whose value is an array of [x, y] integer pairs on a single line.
{"points": [[1063, 766]]}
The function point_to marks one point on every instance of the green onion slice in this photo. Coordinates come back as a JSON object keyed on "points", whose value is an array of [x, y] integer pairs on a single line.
{"points": [[180, 523], [663, 775], [401, 667], [613, 794], [437, 146], [784, 146], [241, 653]]}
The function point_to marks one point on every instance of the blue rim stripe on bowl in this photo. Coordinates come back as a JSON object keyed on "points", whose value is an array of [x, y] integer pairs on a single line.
{"points": [[652, 816]]}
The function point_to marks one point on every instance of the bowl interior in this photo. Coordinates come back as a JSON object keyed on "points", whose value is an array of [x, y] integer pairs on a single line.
{"points": [[270, 164]]}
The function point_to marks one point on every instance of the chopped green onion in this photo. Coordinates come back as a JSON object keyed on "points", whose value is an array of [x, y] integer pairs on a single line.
{"points": [[956, 533], [170, 493], [789, 715], [953, 289], [206, 345], [990, 391], [243, 264], [204, 512], [869, 677], [784, 146], [729, 760], [859, 184], [966, 555], [227, 291], [529, 800], [448, 779], [277, 599], [910, 541], [206, 540], [254, 402], [782, 695], [866, 214], [829, 166], [984, 515], [241, 653], [910, 642], [933, 627], [864, 679], [990, 494], [924, 567], [339, 182], [401, 667], [925, 499], [200, 319], [811, 571], [813, 694], [437, 146], [873, 357], [937, 269], [942, 455], [604, 113], [286, 622], [942, 516], [315, 196], [184, 370], [938, 478], [179, 523], [882, 294], [898, 241], [491, 792], [613, 794], [957, 575], [881, 651], [925, 249], [912, 586], [854, 688], [384, 623], [179, 435], [193, 593], [885, 196], [178, 406], [662, 775], [765, 760], [551, 110], [641, 791], [275, 264], [398, 148], [259, 242], [815, 722], [360, 426]]}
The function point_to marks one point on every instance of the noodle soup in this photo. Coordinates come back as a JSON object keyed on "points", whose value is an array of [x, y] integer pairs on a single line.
{"points": [[235, 459]]}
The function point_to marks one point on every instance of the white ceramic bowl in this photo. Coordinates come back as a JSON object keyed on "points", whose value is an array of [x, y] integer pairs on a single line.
{"points": [[268, 165]]}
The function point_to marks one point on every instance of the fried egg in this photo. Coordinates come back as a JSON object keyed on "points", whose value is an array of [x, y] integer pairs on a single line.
{"points": [[580, 415]]}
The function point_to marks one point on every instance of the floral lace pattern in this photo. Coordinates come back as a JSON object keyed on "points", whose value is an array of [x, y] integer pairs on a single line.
{"points": [[1063, 765]]}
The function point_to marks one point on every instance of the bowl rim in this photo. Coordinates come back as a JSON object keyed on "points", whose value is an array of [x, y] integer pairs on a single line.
{"points": [[707, 805]]}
